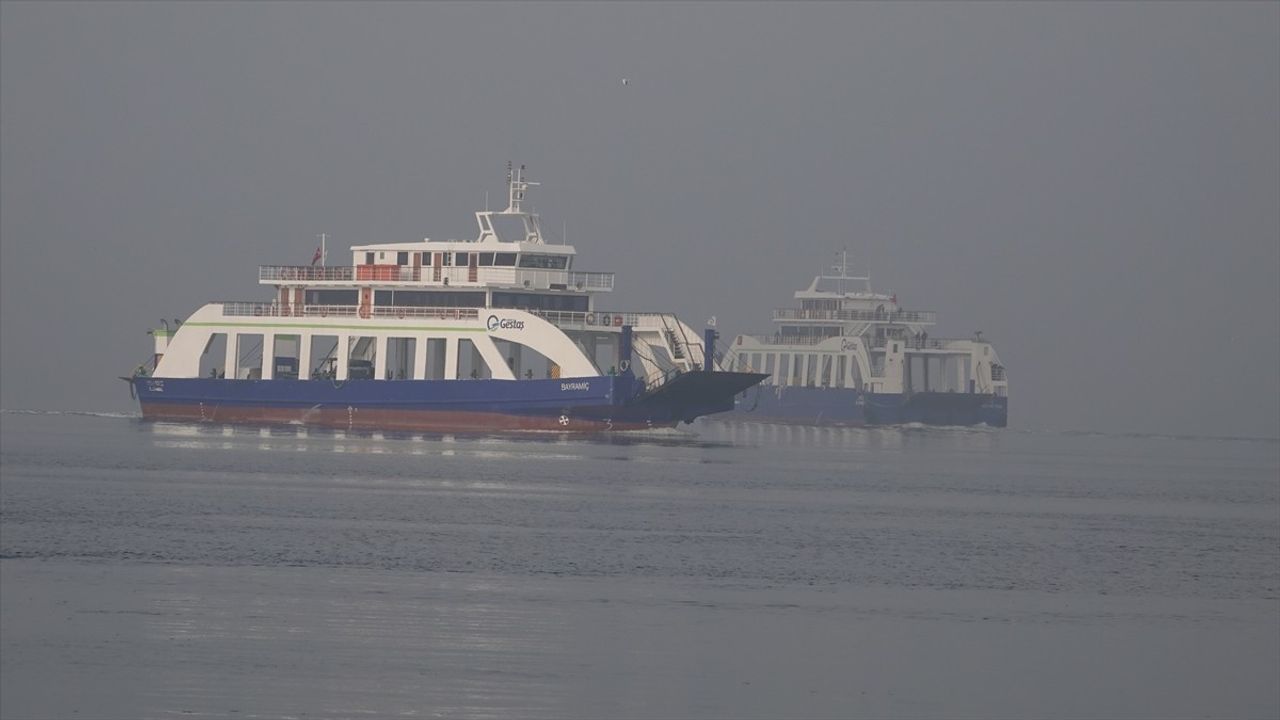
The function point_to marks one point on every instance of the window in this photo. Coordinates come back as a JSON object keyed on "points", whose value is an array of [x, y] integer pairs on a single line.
{"points": [[426, 258], [485, 259], [570, 303], [428, 298], [402, 258], [546, 262], [462, 260], [504, 259], [332, 297]]}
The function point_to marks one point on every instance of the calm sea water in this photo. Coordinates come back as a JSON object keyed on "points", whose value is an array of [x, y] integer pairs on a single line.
{"points": [[158, 570]]}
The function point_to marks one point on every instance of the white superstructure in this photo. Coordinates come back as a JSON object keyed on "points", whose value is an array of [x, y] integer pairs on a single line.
{"points": [[505, 305], [844, 335]]}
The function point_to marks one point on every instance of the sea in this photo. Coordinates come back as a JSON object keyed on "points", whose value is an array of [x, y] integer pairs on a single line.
{"points": [[154, 570]]}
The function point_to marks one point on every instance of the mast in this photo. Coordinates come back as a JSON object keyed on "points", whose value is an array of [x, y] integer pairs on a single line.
{"points": [[517, 186]]}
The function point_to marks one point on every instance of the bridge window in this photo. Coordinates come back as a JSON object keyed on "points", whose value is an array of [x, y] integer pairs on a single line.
{"points": [[546, 262], [504, 259], [484, 259], [461, 260]]}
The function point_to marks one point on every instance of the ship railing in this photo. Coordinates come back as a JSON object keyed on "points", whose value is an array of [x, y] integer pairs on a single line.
{"points": [[436, 313], [903, 316], [512, 277], [910, 343], [600, 318], [260, 309], [930, 343], [776, 339], [310, 273]]}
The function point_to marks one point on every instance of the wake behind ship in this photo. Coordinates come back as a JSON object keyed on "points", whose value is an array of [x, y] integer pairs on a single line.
{"points": [[849, 356], [497, 333]]}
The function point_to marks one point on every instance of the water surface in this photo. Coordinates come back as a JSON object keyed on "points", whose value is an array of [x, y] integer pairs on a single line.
{"points": [[153, 570]]}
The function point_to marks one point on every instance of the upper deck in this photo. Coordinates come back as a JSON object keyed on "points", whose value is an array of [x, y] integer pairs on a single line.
{"points": [[430, 275], [509, 253]]}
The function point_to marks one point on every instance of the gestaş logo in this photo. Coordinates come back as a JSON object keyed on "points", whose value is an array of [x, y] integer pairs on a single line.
{"points": [[496, 323]]}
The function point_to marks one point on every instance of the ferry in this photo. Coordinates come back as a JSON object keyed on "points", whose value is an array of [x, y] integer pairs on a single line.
{"points": [[501, 332], [849, 356]]}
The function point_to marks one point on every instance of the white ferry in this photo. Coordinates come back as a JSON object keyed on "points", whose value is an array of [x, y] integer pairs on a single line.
{"points": [[849, 356], [502, 332]]}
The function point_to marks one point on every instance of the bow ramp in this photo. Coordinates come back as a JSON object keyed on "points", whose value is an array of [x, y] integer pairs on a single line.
{"points": [[698, 393]]}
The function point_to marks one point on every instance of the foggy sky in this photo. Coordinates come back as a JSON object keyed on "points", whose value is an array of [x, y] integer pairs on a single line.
{"points": [[1095, 186]]}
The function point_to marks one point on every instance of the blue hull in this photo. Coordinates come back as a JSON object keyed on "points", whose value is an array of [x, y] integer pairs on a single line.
{"points": [[848, 407], [569, 404]]}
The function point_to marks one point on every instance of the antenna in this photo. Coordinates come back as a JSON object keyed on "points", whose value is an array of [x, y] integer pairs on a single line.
{"points": [[516, 188]]}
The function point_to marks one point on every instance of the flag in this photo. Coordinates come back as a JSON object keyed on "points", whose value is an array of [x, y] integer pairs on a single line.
{"points": [[316, 258]]}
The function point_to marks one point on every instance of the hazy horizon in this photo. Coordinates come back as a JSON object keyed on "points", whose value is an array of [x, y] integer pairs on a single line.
{"points": [[1095, 186]]}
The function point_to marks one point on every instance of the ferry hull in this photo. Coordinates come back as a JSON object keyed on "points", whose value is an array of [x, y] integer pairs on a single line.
{"points": [[595, 404], [844, 407]]}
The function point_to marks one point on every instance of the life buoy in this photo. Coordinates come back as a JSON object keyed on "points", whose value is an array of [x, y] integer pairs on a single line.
{"points": [[617, 321], [400, 313], [364, 311], [591, 318], [624, 366]]}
